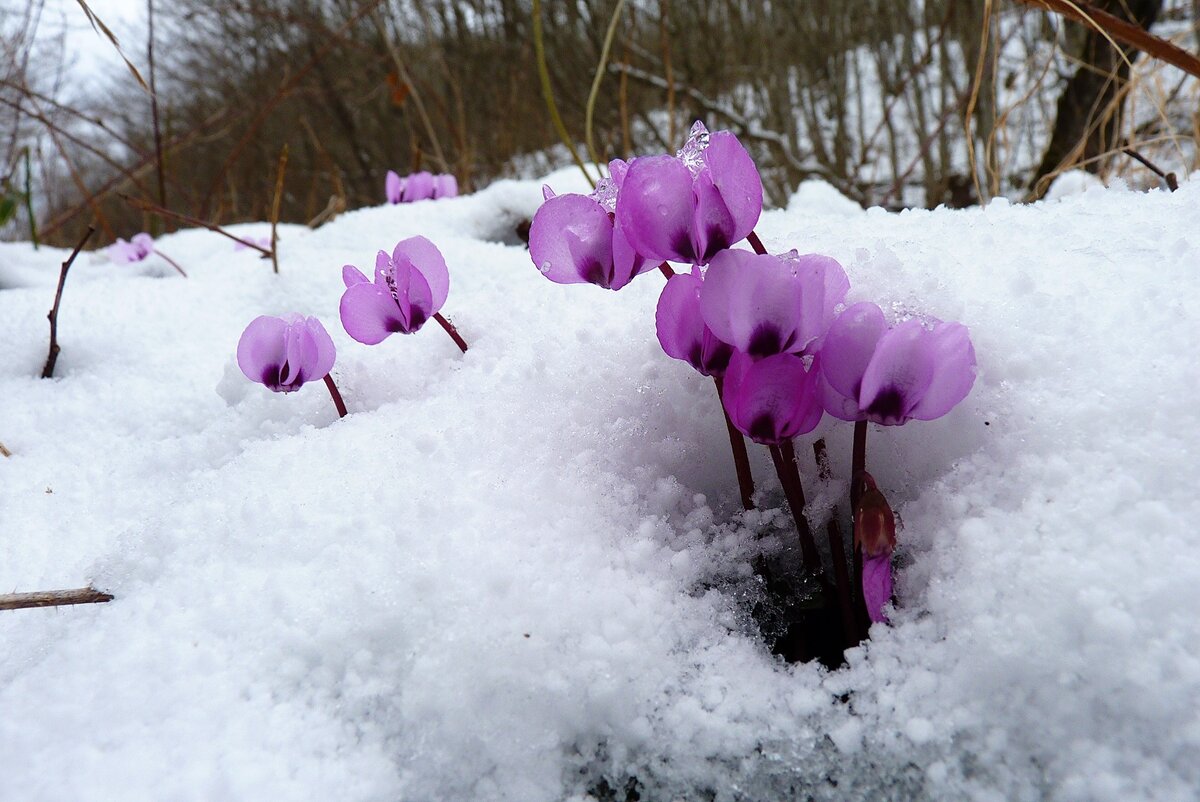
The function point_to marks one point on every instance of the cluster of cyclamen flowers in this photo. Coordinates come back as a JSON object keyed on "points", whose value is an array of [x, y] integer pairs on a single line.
{"points": [[419, 186], [772, 329], [410, 287]]}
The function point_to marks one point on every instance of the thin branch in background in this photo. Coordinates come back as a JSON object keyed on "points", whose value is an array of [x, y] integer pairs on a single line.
{"points": [[1172, 182], [33, 232], [52, 358], [539, 47], [53, 598], [976, 88], [158, 148], [283, 159], [1113, 27], [589, 134], [99, 26], [403, 74], [147, 206], [665, 43]]}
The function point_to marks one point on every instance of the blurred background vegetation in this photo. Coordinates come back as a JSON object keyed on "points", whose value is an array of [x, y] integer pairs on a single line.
{"points": [[893, 102]]}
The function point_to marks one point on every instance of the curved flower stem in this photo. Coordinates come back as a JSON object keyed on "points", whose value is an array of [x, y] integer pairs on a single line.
{"points": [[453, 332], [337, 397], [539, 49], [171, 262], [837, 551], [737, 443], [784, 457], [667, 270], [756, 243]]}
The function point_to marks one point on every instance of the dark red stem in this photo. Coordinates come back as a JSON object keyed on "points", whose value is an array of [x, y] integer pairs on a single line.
{"points": [[337, 397], [784, 458], [837, 551], [666, 269], [737, 443], [755, 243], [453, 332], [52, 357], [171, 262], [858, 466]]}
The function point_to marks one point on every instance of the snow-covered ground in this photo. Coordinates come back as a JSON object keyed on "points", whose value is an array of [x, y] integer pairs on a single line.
{"points": [[522, 573]]}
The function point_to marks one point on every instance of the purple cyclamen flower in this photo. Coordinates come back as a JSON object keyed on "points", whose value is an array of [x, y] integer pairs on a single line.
{"points": [[410, 287], [137, 249], [688, 207], [445, 186], [766, 304], [681, 329], [773, 399], [574, 239], [262, 242], [418, 187], [393, 187], [890, 376], [285, 352], [875, 535]]}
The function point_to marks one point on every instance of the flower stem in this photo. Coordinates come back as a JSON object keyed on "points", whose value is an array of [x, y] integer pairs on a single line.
{"points": [[453, 332], [756, 243], [667, 270], [171, 262], [837, 551], [784, 458], [858, 466], [337, 397], [737, 443]]}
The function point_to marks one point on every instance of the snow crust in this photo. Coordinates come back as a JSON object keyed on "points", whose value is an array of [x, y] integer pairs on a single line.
{"points": [[522, 573]]}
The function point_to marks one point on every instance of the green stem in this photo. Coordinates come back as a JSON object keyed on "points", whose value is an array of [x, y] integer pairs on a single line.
{"points": [[33, 234], [591, 101], [539, 48]]}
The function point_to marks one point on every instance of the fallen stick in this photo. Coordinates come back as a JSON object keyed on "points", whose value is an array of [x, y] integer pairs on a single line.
{"points": [[4, 452], [52, 358], [53, 598]]}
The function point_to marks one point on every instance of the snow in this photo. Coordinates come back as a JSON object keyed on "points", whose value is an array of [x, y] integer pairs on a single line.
{"points": [[522, 573]]}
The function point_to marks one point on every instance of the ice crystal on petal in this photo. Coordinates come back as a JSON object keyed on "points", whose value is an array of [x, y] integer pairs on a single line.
{"points": [[693, 150], [605, 194]]}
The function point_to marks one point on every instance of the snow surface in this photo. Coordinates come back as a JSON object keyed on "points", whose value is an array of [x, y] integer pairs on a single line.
{"points": [[522, 573]]}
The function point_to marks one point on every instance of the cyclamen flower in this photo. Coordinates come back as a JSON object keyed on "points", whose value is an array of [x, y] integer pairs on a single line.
{"points": [[283, 353], [875, 535], [689, 207], [766, 304], [419, 186], [681, 328], [773, 399], [137, 249], [410, 287], [891, 376], [574, 239], [262, 242]]}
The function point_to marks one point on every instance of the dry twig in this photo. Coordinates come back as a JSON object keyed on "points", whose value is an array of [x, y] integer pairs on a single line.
{"points": [[53, 598], [52, 358]]}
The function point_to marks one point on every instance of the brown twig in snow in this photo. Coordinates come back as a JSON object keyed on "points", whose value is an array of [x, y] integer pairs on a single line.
{"points": [[52, 358], [53, 598], [147, 206], [1172, 182], [283, 157], [4, 452]]}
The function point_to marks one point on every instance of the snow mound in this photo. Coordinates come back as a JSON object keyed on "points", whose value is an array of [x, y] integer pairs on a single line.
{"points": [[522, 574]]}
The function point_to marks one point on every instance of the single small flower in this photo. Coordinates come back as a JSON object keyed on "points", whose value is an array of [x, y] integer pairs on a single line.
{"points": [[574, 239], [681, 328], [135, 250], [689, 207], [875, 535], [774, 399], [891, 376], [393, 187], [418, 187], [766, 304], [410, 287], [262, 242], [445, 186], [285, 352]]}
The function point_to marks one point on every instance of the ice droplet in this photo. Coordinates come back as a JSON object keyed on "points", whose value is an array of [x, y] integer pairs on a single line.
{"points": [[544, 268], [692, 151], [605, 194]]}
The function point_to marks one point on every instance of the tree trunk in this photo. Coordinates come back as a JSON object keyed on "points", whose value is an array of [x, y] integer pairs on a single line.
{"points": [[1088, 121]]}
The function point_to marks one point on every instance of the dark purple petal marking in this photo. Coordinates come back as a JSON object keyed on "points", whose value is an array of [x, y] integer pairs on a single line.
{"points": [[888, 406], [765, 341]]}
